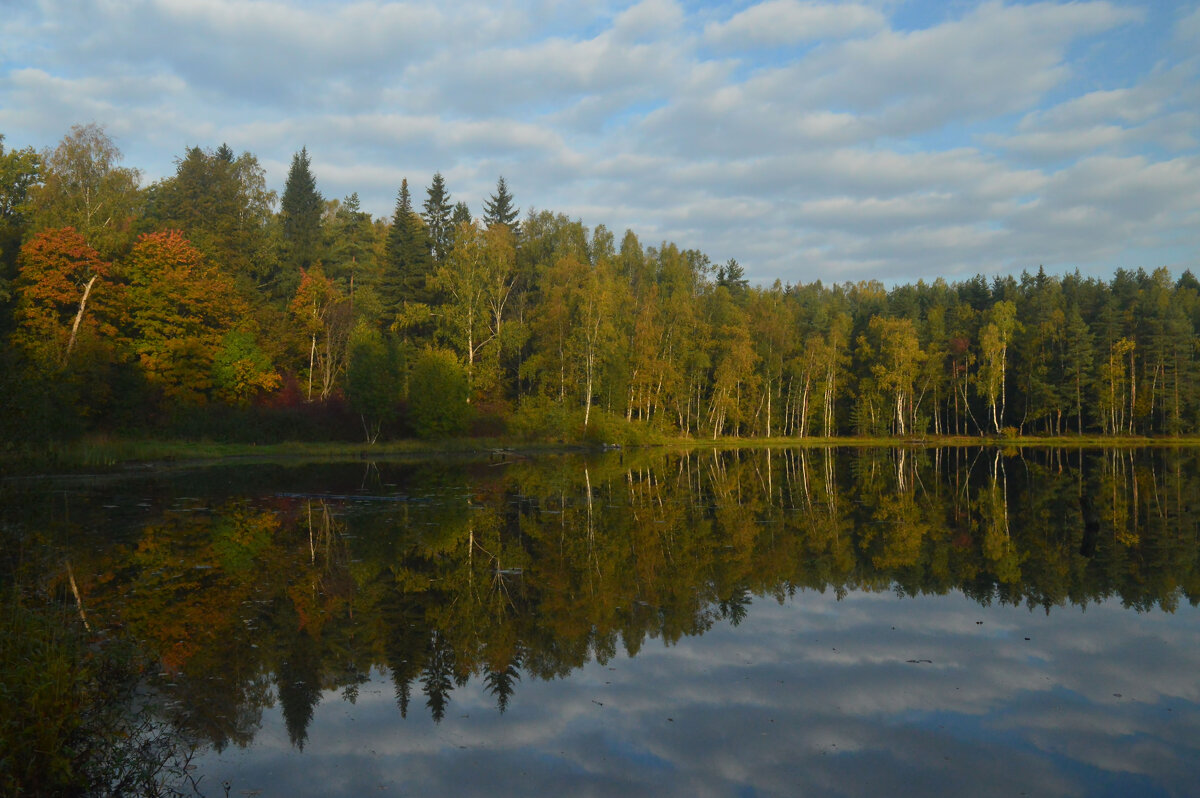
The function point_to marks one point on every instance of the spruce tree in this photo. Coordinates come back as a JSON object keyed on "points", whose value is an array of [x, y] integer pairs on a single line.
{"points": [[499, 208], [219, 202], [437, 217], [406, 261], [300, 212], [460, 215]]}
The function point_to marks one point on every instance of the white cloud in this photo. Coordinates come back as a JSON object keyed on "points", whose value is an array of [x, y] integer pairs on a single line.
{"points": [[804, 138], [1188, 28], [782, 22]]}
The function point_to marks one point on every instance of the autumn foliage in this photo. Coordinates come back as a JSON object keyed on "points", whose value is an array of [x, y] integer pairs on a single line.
{"points": [[56, 267], [179, 308]]}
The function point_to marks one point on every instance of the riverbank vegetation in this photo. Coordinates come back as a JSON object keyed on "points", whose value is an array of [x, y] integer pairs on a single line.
{"points": [[205, 307]]}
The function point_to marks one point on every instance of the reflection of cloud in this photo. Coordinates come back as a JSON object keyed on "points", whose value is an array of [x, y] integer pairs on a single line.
{"points": [[770, 706]]}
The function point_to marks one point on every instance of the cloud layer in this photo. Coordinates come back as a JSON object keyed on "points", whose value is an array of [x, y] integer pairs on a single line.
{"points": [[811, 140]]}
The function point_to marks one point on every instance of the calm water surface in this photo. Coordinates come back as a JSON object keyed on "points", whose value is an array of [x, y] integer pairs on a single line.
{"points": [[843, 622]]}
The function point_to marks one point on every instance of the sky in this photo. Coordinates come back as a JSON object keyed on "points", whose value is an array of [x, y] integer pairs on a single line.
{"points": [[836, 141]]}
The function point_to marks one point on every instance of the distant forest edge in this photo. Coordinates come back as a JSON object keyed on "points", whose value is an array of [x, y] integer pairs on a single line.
{"points": [[204, 306]]}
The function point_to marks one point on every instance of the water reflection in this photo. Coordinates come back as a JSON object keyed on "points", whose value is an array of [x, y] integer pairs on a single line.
{"points": [[439, 606]]}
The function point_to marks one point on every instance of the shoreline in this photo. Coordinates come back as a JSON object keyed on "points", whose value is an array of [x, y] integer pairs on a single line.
{"points": [[127, 454]]}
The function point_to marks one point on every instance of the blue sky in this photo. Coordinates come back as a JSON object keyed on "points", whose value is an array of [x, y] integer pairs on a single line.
{"points": [[838, 141]]}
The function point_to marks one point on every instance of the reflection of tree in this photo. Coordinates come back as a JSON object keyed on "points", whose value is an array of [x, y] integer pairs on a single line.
{"points": [[532, 570], [403, 621], [735, 607], [298, 683], [501, 683], [998, 544], [436, 676]]}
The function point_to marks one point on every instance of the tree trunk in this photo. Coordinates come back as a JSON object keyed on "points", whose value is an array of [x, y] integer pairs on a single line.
{"points": [[78, 318]]}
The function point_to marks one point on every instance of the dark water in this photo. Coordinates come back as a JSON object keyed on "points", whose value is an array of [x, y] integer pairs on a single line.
{"points": [[843, 622]]}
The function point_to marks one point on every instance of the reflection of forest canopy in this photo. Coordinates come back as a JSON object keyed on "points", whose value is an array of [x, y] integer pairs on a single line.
{"points": [[531, 570]]}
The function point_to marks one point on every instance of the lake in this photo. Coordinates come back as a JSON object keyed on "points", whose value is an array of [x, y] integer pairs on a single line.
{"points": [[737, 623]]}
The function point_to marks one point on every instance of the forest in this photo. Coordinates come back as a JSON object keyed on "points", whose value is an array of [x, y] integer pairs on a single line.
{"points": [[205, 305]]}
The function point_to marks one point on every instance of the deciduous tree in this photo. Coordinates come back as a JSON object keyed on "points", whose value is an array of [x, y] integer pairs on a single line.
{"points": [[59, 282], [20, 172], [83, 186], [326, 317], [179, 307]]}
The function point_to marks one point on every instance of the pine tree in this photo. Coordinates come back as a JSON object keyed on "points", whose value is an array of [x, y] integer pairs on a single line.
{"points": [[499, 209], [300, 211], [406, 261], [437, 218]]}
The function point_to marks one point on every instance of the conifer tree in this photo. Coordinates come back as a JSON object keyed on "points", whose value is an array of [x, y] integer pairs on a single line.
{"points": [[406, 261], [300, 211], [499, 209], [460, 215], [437, 214]]}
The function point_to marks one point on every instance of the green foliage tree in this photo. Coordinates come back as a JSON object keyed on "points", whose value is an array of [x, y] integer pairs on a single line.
{"points": [[897, 367], [84, 187], [995, 338], [222, 205], [20, 172], [354, 247], [374, 379], [477, 280], [241, 371], [438, 392]]}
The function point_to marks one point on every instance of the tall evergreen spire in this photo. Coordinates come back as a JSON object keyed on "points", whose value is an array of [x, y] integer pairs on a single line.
{"points": [[437, 217], [406, 261], [300, 210], [499, 208]]}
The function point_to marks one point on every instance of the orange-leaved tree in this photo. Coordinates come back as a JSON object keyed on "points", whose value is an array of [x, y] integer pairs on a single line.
{"points": [[179, 307], [63, 290]]}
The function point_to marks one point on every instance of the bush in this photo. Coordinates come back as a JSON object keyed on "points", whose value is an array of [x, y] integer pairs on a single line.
{"points": [[540, 418]]}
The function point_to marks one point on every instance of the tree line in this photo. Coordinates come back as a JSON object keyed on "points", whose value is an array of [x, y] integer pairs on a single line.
{"points": [[206, 304]]}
